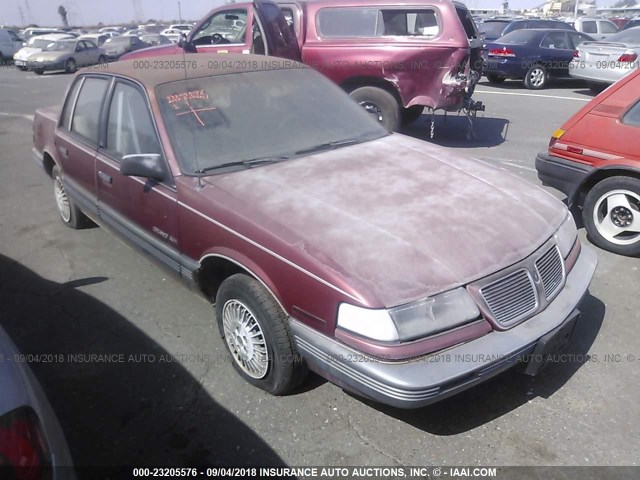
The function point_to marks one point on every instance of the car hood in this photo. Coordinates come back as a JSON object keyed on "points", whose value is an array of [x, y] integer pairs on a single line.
{"points": [[397, 218], [49, 56], [24, 52]]}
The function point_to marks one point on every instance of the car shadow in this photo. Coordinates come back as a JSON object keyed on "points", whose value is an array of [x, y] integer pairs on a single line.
{"points": [[146, 410], [507, 391], [451, 130], [519, 85]]}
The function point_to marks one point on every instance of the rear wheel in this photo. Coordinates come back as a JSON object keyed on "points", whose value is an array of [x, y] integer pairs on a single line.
{"points": [[102, 61], [411, 114], [70, 214], [536, 77], [380, 104], [70, 66], [256, 334], [611, 215], [495, 79]]}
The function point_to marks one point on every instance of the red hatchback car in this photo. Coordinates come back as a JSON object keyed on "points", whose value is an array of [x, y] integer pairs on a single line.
{"points": [[594, 158]]}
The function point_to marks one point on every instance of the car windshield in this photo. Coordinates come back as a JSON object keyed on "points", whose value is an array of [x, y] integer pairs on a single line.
{"points": [[39, 42], [518, 37], [259, 116], [61, 46], [631, 36], [492, 29]]}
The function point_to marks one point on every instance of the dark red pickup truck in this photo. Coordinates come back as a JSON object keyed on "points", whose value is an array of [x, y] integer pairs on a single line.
{"points": [[393, 57]]}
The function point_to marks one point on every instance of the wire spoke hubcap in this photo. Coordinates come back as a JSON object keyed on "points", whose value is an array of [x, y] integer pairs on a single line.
{"points": [[245, 339], [62, 201], [617, 217]]}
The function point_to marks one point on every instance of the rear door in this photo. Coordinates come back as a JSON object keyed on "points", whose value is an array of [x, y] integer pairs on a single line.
{"points": [[557, 52]]}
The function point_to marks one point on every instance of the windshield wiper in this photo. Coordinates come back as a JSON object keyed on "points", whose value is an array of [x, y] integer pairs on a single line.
{"points": [[328, 146], [243, 163]]}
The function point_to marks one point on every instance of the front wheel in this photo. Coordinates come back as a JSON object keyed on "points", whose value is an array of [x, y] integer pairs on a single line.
{"points": [[611, 215], [382, 106], [256, 335], [536, 77]]}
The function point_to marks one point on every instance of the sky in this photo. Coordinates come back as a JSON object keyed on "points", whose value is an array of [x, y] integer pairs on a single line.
{"points": [[90, 12]]}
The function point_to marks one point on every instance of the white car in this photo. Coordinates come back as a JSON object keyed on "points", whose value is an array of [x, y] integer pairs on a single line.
{"points": [[173, 34], [31, 439], [35, 45], [184, 27]]}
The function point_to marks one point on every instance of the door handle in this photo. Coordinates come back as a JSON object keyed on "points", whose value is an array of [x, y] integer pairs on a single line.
{"points": [[106, 178]]}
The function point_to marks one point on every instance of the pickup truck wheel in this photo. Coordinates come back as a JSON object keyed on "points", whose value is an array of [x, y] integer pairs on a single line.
{"points": [[70, 66], [495, 79], [380, 104], [411, 114], [611, 215], [536, 77], [70, 214], [256, 334]]}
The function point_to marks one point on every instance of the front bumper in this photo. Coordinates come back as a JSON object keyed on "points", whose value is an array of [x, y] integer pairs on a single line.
{"points": [[428, 379], [564, 175]]}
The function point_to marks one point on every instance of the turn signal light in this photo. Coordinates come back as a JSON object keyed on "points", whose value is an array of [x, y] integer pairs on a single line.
{"points": [[556, 135]]}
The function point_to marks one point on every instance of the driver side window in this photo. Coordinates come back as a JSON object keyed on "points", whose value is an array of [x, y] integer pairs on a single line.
{"points": [[227, 26]]}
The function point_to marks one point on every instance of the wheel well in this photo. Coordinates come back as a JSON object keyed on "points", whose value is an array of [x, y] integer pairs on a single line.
{"points": [[357, 82], [598, 176], [213, 271], [48, 163]]}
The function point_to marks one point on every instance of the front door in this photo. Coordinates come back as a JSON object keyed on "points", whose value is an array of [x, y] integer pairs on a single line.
{"points": [[142, 210]]}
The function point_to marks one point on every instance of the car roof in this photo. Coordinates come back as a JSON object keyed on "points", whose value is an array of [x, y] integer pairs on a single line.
{"points": [[198, 65], [53, 36]]}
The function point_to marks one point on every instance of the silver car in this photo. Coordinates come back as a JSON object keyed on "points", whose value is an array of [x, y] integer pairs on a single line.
{"points": [[67, 55], [31, 439], [605, 62]]}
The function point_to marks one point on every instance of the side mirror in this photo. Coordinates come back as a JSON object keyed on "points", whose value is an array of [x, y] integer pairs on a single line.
{"points": [[187, 45], [147, 165]]}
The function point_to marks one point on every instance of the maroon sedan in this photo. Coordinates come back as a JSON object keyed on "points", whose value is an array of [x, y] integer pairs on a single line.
{"points": [[398, 269]]}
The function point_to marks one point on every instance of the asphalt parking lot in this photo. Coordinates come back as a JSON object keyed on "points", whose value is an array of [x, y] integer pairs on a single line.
{"points": [[175, 400]]}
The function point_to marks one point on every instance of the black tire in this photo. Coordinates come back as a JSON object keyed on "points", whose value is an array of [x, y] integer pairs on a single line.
{"points": [[536, 77], [73, 218], [70, 66], [495, 79], [286, 369], [38, 71], [380, 104], [22, 69], [411, 114], [594, 200], [102, 61], [597, 87]]}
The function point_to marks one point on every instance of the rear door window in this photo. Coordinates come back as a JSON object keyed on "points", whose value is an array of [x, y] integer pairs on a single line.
{"points": [[556, 40], [589, 26], [607, 27], [86, 115], [409, 23], [347, 22]]}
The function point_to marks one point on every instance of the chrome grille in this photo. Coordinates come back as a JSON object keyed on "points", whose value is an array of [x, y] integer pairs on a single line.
{"points": [[511, 298], [549, 267]]}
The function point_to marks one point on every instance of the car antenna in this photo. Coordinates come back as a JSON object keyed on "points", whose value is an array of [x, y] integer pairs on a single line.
{"points": [[186, 79]]}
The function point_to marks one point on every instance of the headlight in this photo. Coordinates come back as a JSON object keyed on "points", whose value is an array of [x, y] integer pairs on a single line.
{"points": [[374, 324], [409, 322], [566, 235]]}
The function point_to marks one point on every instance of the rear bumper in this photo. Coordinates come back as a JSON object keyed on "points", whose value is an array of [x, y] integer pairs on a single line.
{"points": [[428, 379], [598, 73], [504, 67], [564, 175]]}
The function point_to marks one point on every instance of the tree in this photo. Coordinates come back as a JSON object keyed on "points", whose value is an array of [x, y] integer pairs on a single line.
{"points": [[63, 15]]}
